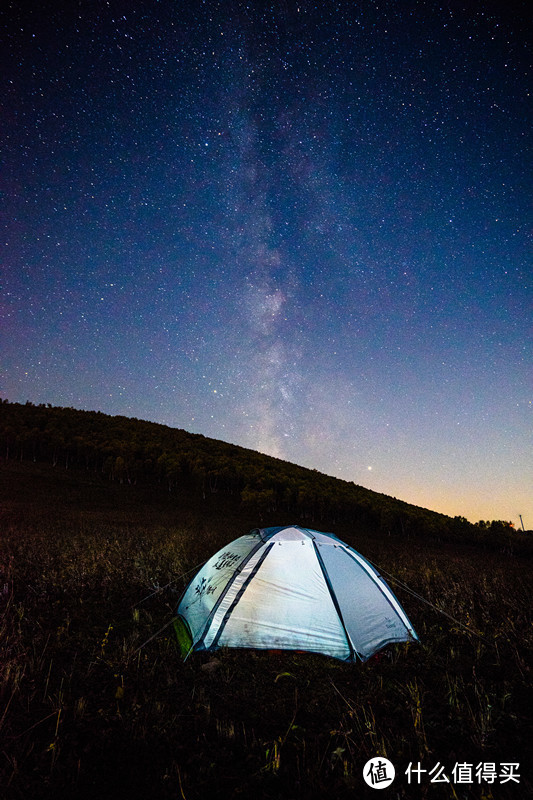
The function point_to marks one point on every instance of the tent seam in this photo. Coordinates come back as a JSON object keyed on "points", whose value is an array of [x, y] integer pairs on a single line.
{"points": [[353, 651], [230, 583], [238, 596]]}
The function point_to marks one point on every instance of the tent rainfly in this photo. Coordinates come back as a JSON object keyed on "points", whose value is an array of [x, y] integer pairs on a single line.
{"points": [[291, 588]]}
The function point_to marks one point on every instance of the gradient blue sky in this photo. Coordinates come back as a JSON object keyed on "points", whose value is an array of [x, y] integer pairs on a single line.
{"points": [[303, 228]]}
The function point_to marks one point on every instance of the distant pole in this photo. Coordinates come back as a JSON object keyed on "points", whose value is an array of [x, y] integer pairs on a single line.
{"points": [[522, 522]]}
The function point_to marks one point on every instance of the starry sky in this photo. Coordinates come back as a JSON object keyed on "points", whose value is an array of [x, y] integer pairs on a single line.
{"points": [[301, 227]]}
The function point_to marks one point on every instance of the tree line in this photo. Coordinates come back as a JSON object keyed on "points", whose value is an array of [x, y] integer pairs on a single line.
{"points": [[129, 450]]}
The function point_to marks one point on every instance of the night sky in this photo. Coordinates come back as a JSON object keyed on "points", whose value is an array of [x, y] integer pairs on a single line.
{"points": [[303, 228]]}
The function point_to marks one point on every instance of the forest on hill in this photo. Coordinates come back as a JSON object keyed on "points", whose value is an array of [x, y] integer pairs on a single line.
{"points": [[130, 451]]}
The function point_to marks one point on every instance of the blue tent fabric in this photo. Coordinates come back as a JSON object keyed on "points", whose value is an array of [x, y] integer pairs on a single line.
{"points": [[292, 588]]}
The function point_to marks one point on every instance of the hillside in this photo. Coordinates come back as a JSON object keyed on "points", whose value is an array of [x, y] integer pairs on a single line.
{"points": [[193, 468]]}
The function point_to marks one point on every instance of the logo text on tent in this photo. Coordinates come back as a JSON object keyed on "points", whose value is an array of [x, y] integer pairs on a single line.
{"points": [[227, 559]]}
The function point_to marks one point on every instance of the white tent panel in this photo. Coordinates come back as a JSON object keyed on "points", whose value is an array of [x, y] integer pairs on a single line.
{"points": [[372, 615], [287, 605]]}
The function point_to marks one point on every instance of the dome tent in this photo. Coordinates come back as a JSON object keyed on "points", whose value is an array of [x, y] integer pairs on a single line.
{"points": [[291, 588]]}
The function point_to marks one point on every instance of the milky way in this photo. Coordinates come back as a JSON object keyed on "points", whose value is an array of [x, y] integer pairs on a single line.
{"points": [[298, 227]]}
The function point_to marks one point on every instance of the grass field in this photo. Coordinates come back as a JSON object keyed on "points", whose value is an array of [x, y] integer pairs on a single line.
{"points": [[85, 713]]}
